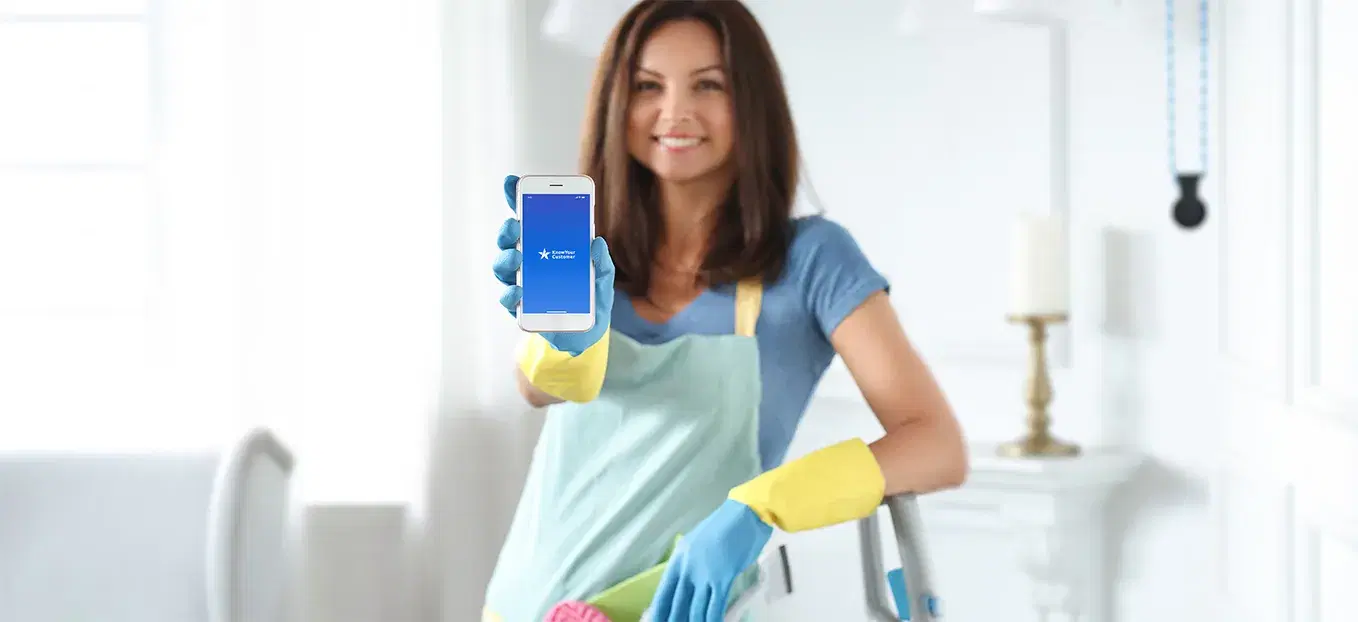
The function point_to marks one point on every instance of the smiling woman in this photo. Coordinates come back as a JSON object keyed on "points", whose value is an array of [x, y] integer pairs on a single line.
{"points": [[679, 125], [673, 419], [686, 123]]}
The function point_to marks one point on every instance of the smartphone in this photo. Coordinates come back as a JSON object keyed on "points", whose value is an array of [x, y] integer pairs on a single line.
{"points": [[556, 214]]}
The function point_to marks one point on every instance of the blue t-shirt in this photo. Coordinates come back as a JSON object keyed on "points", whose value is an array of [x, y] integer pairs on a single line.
{"points": [[825, 279]]}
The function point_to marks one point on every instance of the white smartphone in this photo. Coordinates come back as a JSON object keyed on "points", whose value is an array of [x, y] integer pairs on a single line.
{"points": [[556, 214]]}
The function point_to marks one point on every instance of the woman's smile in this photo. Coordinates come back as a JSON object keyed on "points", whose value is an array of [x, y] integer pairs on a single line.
{"points": [[677, 143]]}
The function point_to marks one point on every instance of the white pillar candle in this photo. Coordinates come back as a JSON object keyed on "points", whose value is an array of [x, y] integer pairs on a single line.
{"points": [[1038, 281]]}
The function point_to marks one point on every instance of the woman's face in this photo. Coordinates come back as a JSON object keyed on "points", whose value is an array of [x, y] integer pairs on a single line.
{"points": [[680, 119]]}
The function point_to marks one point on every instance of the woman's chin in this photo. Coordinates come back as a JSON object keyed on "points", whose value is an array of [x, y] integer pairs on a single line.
{"points": [[686, 172]]}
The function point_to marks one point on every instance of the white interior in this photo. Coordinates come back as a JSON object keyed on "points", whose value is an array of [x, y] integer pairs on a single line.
{"points": [[313, 256]]}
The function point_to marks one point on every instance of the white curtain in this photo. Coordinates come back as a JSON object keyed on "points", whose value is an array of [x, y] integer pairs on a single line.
{"points": [[300, 176], [483, 439], [344, 180], [325, 191], [337, 170]]}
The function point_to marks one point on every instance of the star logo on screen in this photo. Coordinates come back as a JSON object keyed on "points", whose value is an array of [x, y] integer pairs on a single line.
{"points": [[543, 254]]}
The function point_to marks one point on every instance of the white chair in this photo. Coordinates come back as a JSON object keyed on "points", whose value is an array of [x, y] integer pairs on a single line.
{"points": [[147, 537]]}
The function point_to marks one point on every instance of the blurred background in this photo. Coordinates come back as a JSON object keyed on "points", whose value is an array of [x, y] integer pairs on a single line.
{"points": [[219, 216]]}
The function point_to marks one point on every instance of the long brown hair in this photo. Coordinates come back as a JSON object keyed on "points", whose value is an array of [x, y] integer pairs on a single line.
{"points": [[753, 229]]}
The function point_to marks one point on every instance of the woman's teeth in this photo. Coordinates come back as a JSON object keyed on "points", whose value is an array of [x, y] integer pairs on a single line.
{"points": [[670, 142]]}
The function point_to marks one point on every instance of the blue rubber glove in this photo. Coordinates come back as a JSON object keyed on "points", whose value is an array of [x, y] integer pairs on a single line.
{"points": [[697, 581], [506, 269]]}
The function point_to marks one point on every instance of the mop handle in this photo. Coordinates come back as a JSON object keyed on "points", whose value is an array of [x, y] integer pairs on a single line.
{"points": [[909, 532]]}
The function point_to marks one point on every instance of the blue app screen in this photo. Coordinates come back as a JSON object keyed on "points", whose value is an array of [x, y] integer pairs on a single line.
{"points": [[556, 268]]}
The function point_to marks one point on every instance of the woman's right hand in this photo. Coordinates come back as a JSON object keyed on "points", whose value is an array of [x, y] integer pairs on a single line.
{"points": [[510, 260]]}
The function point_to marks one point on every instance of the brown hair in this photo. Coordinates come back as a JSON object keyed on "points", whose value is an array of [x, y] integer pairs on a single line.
{"points": [[753, 229]]}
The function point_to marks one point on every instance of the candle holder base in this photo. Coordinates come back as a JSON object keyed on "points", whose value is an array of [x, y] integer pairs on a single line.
{"points": [[1038, 441], [1038, 447]]}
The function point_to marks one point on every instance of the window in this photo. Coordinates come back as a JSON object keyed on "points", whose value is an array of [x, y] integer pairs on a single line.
{"points": [[77, 129]]}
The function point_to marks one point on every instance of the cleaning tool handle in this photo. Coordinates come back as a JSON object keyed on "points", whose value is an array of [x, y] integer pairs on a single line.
{"points": [[908, 528]]}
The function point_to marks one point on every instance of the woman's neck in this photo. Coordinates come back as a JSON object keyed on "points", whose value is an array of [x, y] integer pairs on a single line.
{"points": [[690, 213]]}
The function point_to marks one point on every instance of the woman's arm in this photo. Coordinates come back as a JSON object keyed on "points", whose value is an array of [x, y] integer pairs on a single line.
{"points": [[536, 398], [923, 449]]}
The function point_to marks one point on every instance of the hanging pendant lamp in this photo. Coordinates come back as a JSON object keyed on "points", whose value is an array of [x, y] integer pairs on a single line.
{"points": [[919, 17], [583, 25], [1025, 11], [914, 18]]}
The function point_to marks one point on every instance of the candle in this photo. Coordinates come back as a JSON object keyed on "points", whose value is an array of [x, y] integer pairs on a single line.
{"points": [[1038, 269]]}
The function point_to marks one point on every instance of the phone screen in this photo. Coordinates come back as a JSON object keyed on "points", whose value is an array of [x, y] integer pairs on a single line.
{"points": [[556, 239]]}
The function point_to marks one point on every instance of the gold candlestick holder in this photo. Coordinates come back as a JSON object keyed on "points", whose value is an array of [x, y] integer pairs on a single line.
{"points": [[1038, 442]]}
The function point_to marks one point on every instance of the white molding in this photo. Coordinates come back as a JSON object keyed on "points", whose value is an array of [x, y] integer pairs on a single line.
{"points": [[1300, 595], [1041, 14], [1313, 508], [1266, 380], [71, 18], [1262, 382], [1272, 494], [1025, 11], [1292, 444], [1315, 522], [1308, 388], [1311, 459], [1298, 440], [1269, 381], [110, 166], [1302, 185], [1333, 515]]}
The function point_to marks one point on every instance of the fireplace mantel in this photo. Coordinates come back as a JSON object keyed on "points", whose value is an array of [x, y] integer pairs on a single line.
{"points": [[1054, 507]]}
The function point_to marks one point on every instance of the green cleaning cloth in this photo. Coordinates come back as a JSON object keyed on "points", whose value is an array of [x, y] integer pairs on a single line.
{"points": [[626, 601]]}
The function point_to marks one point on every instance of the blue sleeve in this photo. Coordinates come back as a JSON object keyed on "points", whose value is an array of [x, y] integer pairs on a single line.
{"points": [[836, 277]]}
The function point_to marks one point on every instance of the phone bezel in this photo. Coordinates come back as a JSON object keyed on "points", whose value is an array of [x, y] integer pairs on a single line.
{"points": [[556, 184]]}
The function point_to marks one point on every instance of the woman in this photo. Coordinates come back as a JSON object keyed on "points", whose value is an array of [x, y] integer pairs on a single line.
{"points": [[718, 313]]}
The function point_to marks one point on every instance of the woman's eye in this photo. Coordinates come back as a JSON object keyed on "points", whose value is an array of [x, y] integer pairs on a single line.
{"points": [[710, 85], [647, 85]]}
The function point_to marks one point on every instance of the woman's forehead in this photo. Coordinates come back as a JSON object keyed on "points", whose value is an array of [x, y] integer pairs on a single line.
{"points": [[681, 48]]}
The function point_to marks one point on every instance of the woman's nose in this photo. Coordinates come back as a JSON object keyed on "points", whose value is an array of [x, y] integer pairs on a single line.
{"points": [[677, 105]]}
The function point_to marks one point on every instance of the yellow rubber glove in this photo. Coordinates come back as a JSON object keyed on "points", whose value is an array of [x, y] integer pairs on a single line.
{"points": [[575, 378], [837, 484]]}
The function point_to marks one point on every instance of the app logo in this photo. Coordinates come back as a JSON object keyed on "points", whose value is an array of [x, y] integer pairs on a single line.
{"points": [[546, 254]]}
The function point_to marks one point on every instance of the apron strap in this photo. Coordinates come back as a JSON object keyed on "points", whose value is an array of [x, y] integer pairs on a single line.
{"points": [[749, 298]]}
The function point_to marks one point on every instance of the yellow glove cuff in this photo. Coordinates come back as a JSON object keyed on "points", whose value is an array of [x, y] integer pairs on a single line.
{"points": [[557, 373], [837, 484]]}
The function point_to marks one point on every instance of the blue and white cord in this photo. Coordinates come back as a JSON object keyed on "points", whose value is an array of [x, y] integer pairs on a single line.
{"points": [[1171, 84]]}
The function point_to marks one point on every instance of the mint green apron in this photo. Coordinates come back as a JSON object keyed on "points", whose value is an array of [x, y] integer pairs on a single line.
{"points": [[615, 480]]}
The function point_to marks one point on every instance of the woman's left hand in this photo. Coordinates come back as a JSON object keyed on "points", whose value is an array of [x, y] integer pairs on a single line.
{"points": [[697, 582]]}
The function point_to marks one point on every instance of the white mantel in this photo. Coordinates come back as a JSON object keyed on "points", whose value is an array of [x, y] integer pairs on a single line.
{"points": [[1054, 508]]}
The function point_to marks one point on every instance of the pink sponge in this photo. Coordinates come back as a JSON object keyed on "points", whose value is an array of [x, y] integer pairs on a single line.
{"points": [[575, 611]]}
